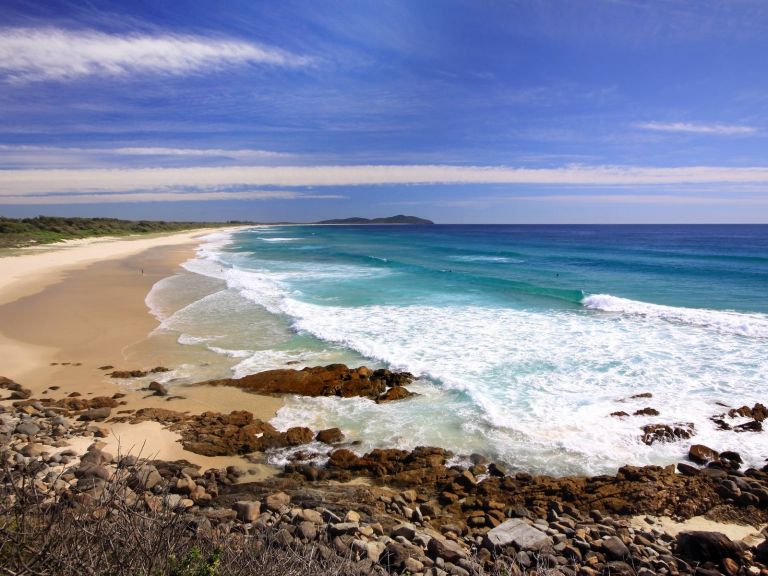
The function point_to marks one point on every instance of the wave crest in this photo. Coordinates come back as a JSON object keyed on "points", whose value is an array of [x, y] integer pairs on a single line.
{"points": [[754, 325]]}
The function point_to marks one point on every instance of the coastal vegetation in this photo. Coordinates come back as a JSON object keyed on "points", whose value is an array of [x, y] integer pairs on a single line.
{"points": [[16, 233]]}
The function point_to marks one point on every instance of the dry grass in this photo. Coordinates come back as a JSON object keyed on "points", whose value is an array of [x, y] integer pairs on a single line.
{"points": [[119, 533]]}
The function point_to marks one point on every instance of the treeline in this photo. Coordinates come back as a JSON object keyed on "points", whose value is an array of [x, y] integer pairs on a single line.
{"points": [[48, 229]]}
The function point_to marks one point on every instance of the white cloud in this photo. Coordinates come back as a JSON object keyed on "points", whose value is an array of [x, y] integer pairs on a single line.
{"points": [[125, 197], [695, 128], [159, 151], [669, 199], [29, 54], [34, 156], [102, 180]]}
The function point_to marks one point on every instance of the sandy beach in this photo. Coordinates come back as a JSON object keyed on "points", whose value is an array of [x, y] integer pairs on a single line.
{"points": [[66, 311]]}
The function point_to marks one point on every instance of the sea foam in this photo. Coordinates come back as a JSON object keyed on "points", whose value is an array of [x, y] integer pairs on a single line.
{"points": [[732, 322], [532, 388]]}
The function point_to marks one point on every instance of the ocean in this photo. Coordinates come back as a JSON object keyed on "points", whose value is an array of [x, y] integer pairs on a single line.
{"points": [[524, 339]]}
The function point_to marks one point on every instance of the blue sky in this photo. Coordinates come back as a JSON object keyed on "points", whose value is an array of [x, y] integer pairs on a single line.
{"points": [[476, 111]]}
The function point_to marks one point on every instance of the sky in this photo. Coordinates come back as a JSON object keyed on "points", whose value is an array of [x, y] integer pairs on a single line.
{"points": [[476, 111]]}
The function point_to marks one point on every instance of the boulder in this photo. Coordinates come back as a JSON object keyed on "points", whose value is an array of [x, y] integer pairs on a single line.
{"points": [[147, 477], [615, 549], [247, 510], [158, 389], [394, 393], [761, 552], [518, 533], [27, 427], [448, 550], [330, 436], [276, 501], [702, 454], [701, 546], [95, 414]]}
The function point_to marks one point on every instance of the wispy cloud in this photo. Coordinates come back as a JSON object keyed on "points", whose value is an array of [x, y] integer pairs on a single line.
{"points": [[24, 182], [31, 54], [34, 156], [696, 128], [159, 196]]}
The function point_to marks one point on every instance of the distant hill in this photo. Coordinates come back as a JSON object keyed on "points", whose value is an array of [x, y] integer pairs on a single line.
{"points": [[399, 219]]}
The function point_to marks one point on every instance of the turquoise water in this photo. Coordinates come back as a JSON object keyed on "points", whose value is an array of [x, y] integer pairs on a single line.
{"points": [[524, 338]]}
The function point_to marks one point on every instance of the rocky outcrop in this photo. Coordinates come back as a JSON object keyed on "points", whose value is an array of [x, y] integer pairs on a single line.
{"points": [[417, 512], [331, 380], [653, 433], [214, 434], [138, 373]]}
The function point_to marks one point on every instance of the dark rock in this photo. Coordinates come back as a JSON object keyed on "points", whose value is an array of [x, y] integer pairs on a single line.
{"points": [[394, 556], [158, 389], [761, 552], [615, 548], [647, 412], [618, 569], [732, 456], [620, 414], [751, 426], [653, 433], [687, 469], [137, 373], [702, 546]]}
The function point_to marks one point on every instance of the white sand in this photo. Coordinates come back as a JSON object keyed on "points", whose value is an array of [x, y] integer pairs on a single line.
{"points": [[151, 441], [32, 269], [673, 528]]}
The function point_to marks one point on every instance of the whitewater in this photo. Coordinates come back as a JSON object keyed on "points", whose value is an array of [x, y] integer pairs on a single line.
{"points": [[524, 340]]}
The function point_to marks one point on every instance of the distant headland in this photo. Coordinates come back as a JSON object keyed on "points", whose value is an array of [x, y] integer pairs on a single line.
{"points": [[399, 219]]}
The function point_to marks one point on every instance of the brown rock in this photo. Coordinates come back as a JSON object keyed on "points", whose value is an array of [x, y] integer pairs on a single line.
{"points": [[276, 501], [653, 433], [331, 380], [647, 412], [298, 435], [330, 436], [619, 414], [394, 393], [702, 454]]}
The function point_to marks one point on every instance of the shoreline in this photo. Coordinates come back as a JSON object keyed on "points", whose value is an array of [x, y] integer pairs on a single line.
{"points": [[67, 311]]}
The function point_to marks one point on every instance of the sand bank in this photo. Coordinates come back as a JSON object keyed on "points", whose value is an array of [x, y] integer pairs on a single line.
{"points": [[67, 311]]}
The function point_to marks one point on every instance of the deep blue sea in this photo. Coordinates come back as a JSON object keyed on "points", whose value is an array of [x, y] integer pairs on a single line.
{"points": [[525, 338]]}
